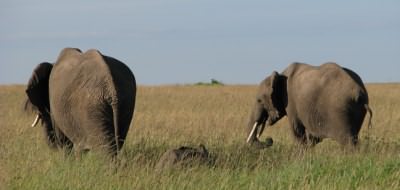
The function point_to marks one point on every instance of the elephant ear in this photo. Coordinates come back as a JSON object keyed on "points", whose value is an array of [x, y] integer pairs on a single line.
{"points": [[278, 91], [37, 89]]}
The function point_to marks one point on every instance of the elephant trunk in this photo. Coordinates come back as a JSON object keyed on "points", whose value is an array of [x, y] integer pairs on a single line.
{"points": [[256, 124]]}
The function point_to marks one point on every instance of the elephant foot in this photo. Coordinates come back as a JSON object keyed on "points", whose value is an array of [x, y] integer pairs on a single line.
{"points": [[262, 144]]}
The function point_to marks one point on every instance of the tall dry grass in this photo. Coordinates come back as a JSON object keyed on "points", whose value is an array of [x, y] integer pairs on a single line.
{"points": [[170, 116]]}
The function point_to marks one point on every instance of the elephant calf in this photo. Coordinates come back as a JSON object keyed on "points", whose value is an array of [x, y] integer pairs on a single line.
{"points": [[326, 101], [183, 156], [84, 100]]}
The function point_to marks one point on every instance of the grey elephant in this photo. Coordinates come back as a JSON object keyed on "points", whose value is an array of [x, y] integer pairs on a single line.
{"points": [[326, 101], [85, 100], [182, 156]]}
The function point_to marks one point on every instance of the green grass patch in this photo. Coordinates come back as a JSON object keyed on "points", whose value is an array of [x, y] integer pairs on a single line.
{"points": [[169, 117]]}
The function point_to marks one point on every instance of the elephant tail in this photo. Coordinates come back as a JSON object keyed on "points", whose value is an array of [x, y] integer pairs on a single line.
{"points": [[115, 109], [370, 115]]}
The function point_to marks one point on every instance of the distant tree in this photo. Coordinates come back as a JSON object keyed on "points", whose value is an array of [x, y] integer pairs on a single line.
{"points": [[216, 82], [213, 82]]}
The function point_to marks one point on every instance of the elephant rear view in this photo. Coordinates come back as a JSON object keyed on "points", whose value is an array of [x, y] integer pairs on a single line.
{"points": [[325, 101], [85, 100]]}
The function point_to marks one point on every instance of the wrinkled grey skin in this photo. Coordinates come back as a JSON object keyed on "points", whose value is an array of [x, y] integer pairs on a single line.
{"points": [[325, 101], [182, 156], [85, 100]]}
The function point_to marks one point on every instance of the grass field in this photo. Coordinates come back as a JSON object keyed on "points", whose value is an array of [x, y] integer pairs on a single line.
{"points": [[170, 116]]}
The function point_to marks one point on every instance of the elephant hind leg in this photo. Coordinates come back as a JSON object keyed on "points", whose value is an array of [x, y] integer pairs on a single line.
{"points": [[351, 123], [346, 138], [313, 140], [113, 147], [65, 143], [57, 139], [351, 140], [347, 133]]}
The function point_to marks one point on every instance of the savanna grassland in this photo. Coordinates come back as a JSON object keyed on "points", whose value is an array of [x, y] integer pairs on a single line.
{"points": [[170, 116]]}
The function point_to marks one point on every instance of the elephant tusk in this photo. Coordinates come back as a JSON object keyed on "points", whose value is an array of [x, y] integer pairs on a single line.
{"points": [[252, 132], [35, 122], [261, 130]]}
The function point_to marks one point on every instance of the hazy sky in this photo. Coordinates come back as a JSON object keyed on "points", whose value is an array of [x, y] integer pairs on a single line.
{"points": [[187, 41]]}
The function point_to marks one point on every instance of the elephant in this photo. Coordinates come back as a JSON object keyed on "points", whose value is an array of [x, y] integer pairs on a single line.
{"points": [[84, 100], [326, 101], [182, 156]]}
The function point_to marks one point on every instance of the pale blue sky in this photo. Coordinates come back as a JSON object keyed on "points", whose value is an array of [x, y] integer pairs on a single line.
{"points": [[187, 41]]}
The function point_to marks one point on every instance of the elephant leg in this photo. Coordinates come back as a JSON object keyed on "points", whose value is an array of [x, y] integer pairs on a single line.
{"points": [[99, 141], [63, 141], [346, 132], [348, 139], [109, 142], [299, 132], [113, 148], [354, 140], [80, 150], [51, 138], [312, 140], [57, 139]]}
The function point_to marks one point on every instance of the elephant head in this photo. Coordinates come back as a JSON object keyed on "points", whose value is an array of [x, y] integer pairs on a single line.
{"points": [[37, 91], [269, 107]]}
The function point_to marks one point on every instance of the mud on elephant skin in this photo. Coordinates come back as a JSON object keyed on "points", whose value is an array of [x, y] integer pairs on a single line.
{"points": [[326, 101], [84, 100]]}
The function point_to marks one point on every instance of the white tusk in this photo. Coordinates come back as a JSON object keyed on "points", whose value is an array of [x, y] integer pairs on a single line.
{"points": [[36, 121], [252, 132]]}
